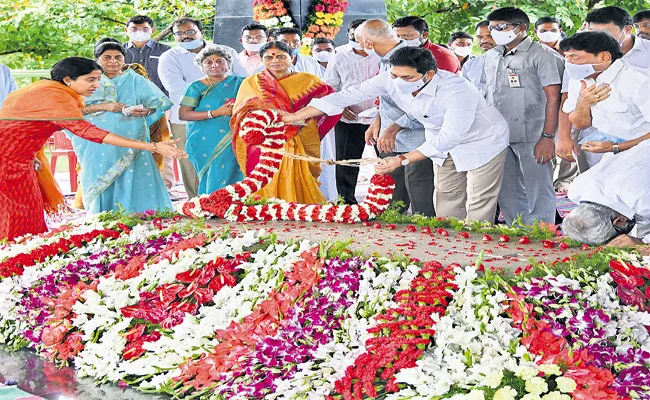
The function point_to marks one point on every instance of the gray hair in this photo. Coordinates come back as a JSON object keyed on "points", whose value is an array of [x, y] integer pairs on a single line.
{"points": [[212, 50], [590, 223], [376, 30]]}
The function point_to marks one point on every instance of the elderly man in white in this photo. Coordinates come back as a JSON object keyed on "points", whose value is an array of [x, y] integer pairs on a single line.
{"points": [[612, 197], [465, 136]]}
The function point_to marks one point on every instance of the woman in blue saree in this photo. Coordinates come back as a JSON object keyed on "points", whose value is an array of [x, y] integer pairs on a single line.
{"points": [[207, 105], [114, 178]]}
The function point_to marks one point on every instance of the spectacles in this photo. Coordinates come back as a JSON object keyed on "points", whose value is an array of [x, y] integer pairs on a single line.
{"points": [[624, 230], [280, 57], [501, 27], [254, 39], [643, 25], [190, 32]]}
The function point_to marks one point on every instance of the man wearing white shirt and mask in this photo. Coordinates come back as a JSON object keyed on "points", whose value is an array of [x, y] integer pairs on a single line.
{"points": [[350, 67], [612, 96], [322, 49], [549, 32], [177, 70], [461, 44], [612, 198], [253, 37], [465, 136]]}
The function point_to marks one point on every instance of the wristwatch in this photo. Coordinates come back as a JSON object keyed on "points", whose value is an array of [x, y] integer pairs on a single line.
{"points": [[403, 160], [548, 135], [616, 149]]}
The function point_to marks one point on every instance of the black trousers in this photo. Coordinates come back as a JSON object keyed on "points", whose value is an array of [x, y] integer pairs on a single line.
{"points": [[350, 142], [414, 185]]}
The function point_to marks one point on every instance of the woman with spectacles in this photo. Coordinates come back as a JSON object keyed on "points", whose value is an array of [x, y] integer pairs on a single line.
{"points": [[128, 104], [279, 87], [207, 105]]}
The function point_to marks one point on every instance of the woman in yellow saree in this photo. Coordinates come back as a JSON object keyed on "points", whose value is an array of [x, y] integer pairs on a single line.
{"points": [[278, 87]]}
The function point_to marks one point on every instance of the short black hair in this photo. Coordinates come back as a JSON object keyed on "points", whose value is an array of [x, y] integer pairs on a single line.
{"points": [[460, 35], [593, 42], [275, 45], [416, 57], [611, 14], [140, 19], [481, 24], [107, 44], [288, 31], [356, 23], [548, 20], [187, 20], [641, 15], [323, 40], [254, 27], [272, 33], [512, 15], [419, 24], [73, 67]]}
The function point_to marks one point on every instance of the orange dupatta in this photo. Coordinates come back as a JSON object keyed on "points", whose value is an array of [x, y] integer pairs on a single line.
{"points": [[44, 100], [53, 200], [297, 180]]}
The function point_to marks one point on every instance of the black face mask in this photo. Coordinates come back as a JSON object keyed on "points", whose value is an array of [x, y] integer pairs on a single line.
{"points": [[627, 228]]}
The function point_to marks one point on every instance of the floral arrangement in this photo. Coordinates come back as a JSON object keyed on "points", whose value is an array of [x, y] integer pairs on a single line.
{"points": [[264, 128], [272, 14], [325, 18], [173, 306]]}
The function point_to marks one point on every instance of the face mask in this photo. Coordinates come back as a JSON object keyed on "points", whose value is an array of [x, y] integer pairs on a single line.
{"points": [[354, 45], [413, 42], [193, 45], [323, 56], [409, 87], [295, 52], [140, 36], [621, 41], [463, 51], [580, 71], [253, 47], [502, 38], [549, 37], [371, 52]]}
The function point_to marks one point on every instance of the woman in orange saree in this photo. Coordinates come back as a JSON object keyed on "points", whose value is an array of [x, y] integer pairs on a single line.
{"points": [[278, 87]]}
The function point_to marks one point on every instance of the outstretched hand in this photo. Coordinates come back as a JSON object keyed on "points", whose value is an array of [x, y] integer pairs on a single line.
{"points": [[168, 148]]}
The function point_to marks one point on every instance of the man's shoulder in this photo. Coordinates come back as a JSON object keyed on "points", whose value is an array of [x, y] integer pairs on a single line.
{"points": [[160, 47]]}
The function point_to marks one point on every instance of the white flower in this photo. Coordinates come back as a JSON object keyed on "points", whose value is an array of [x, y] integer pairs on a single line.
{"points": [[493, 379], [550, 369], [505, 393], [536, 385], [556, 396], [565, 385]]}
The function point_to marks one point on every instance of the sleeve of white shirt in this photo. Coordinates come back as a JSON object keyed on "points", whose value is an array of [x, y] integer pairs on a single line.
{"points": [[643, 101], [334, 103], [459, 114], [238, 67], [332, 76], [170, 74]]}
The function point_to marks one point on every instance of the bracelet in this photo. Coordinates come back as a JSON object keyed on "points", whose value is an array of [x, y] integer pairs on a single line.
{"points": [[154, 150], [548, 135], [85, 110], [210, 114], [148, 112]]}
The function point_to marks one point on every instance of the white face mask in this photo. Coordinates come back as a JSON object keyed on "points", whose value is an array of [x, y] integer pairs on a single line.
{"points": [[580, 71], [323, 56], [253, 47], [463, 51], [408, 87], [371, 52], [191, 45], [414, 42], [139, 36], [549, 36], [354, 45], [502, 38]]}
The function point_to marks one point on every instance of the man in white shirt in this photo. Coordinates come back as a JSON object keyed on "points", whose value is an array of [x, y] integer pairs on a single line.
{"points": [[177, 70], [612, 197], [606, 92], [474, 70], [253, 37], [465, 136], [322, 49], [349, 68], [301, 63], [642, 24], [618, 23]]}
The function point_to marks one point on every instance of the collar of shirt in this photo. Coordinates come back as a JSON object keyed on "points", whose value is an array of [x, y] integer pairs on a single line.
{"points": [[523, 46], [245, 53], [432, 87], [386, 57], [608, 75], [149, 43], [639, 45]]}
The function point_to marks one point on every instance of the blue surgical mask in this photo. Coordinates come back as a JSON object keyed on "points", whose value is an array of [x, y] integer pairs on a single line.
{"points": [[193, 45], [295, 52]]}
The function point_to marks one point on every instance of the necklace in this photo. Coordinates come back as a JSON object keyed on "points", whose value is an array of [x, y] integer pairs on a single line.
{"points": [[209, 81]]}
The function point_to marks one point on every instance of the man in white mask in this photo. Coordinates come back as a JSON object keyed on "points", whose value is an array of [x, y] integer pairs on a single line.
{"points": [[322, 49], [253, 37], [461, 44], [523, 82], [142, 49], [549, 32]]}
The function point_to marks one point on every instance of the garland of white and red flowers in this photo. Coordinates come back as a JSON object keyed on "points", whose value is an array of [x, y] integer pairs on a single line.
{"points": [[264, 128]]}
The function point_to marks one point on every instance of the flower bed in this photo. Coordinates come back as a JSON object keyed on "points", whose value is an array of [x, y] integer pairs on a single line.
{"points": [[166, 305]]}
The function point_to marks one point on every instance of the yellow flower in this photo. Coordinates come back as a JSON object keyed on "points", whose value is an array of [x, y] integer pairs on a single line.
{"points": [[320, 22], [320, 14]]}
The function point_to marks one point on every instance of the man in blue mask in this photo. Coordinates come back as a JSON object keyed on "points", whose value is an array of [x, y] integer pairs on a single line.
{"points": [[177, 70], [301, 63]]}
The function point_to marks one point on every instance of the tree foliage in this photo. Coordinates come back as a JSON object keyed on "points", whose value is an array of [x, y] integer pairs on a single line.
{"points": [[448, 16]]}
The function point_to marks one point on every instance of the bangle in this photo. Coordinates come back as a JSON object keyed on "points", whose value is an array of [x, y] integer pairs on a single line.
{"points": [[148, 112], [154, 150], [548, 135], [85, 110], [210, 114]]}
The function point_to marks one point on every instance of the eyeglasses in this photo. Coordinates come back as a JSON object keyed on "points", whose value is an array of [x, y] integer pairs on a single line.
{"points": [[280, 57], [642, 25], [109, 58], [190, 32], [501, 27], [254, 39]]}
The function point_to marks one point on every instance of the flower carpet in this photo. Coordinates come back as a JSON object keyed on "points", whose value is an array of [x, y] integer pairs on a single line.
{"points": [[169, 305]]}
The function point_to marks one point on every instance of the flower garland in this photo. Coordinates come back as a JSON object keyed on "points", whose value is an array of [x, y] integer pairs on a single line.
{"points": [[264, 128], [325, 18], [272, 14]]}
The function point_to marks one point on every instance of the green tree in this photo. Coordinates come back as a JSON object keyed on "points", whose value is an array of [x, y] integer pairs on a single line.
{"points": [[448, 16], [35, 34]]}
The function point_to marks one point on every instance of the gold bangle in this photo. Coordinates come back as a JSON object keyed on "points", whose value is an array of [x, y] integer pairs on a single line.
{"points": [[154, 150]]}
